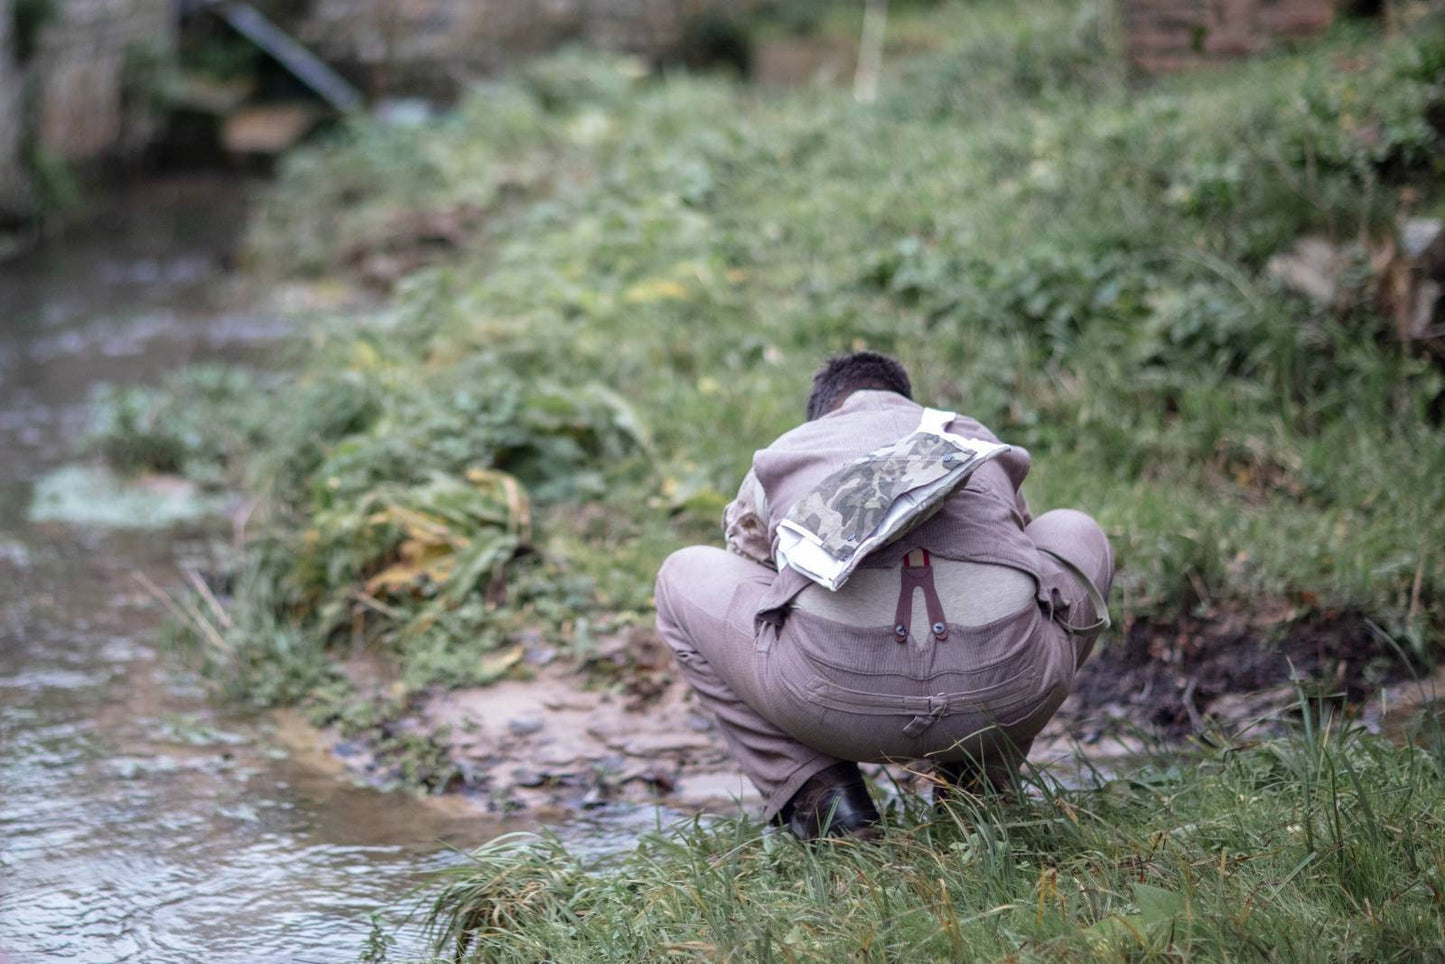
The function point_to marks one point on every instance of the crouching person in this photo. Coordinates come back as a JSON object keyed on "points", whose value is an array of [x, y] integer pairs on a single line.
{"points": [[953, 644]]}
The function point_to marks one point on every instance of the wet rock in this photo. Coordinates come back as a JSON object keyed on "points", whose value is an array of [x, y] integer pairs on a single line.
{"points": [[613, 650], [571, 701], [649, 744], [714, 788], [96, 496], [557, 756], [14, 555], [524, 725], [474, 776], [403, 112], [539, 655], [527, 777], [1230, 708], [661, 778]]}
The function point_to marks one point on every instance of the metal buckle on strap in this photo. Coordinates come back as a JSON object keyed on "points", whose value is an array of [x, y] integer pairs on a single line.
{"points": [[917, 573]]}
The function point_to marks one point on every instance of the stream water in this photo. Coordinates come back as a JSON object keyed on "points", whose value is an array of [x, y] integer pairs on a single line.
{"points": [[139, 822]]}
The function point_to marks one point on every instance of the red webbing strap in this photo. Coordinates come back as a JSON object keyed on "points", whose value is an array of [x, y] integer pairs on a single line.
{"points": [[919, 576]]}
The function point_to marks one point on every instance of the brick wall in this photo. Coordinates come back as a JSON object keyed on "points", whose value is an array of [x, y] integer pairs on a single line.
{"points": [[67, 97], [1168, 35]]}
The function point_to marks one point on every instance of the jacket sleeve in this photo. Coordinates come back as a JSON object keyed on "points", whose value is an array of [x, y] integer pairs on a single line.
{"points": [[745, 523], [1016, 466], [1022, 505]]}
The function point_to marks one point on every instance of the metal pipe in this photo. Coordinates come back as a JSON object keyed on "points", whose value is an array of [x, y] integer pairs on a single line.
{"points": [[306, 66]]}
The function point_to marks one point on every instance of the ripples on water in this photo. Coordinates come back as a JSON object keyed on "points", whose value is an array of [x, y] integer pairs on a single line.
{"points": [[136, 824]]}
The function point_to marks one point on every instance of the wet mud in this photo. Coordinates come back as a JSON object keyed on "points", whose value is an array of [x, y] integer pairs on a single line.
{"points": [[623, 728], [563, 737], [1175, 678]]}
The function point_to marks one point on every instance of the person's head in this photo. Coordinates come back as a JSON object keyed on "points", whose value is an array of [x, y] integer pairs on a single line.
{"points": [[842, 376]]}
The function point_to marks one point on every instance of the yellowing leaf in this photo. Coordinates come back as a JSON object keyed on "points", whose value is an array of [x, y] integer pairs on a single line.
{"points": [[658, 289], [364, 356], [424, 527], [419, 560], [495, 665], [519, 507]]}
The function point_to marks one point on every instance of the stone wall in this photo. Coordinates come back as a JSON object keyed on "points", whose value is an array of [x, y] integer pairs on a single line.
{"points": [[1168, 35], [390, 45], [67, 96], [13, 189]]}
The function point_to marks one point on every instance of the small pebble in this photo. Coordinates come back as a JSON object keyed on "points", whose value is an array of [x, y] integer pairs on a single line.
{"points": [[540, 655], [524, 777], [524, 725]]}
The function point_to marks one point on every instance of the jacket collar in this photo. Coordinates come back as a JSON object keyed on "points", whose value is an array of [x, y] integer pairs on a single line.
{"points": [[871, 400]]}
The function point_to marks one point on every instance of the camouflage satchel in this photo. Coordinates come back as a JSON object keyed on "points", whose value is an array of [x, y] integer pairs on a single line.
{"points": [[875, 499]]}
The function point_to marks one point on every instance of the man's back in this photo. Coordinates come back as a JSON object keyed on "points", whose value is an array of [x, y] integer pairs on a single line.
{"points": [[974, 593]]}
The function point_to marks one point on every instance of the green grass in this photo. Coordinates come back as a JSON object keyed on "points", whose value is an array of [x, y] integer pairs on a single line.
{"points": [[1326, 847], [652, 267]]}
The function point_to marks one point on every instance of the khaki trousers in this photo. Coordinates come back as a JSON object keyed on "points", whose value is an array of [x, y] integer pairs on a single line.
{"points": [[794, 700]]}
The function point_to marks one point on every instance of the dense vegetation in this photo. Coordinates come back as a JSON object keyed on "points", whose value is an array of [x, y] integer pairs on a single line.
{"points": [[637, 275], [616, 287]]}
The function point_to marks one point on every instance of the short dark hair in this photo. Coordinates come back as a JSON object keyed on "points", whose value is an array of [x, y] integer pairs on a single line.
{"points": [[843, 375]]}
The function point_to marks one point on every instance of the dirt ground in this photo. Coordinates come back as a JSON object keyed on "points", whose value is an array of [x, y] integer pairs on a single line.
{"points": [[1177, 678], [623, 727]]}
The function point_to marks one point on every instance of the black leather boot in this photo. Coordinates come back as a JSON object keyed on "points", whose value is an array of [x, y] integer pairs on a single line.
{"points": [[833, 803], [967, 777], [963, 776]]}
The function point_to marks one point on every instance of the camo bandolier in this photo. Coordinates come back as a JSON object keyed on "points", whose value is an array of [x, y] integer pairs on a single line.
{"points": [[849, 504]]}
